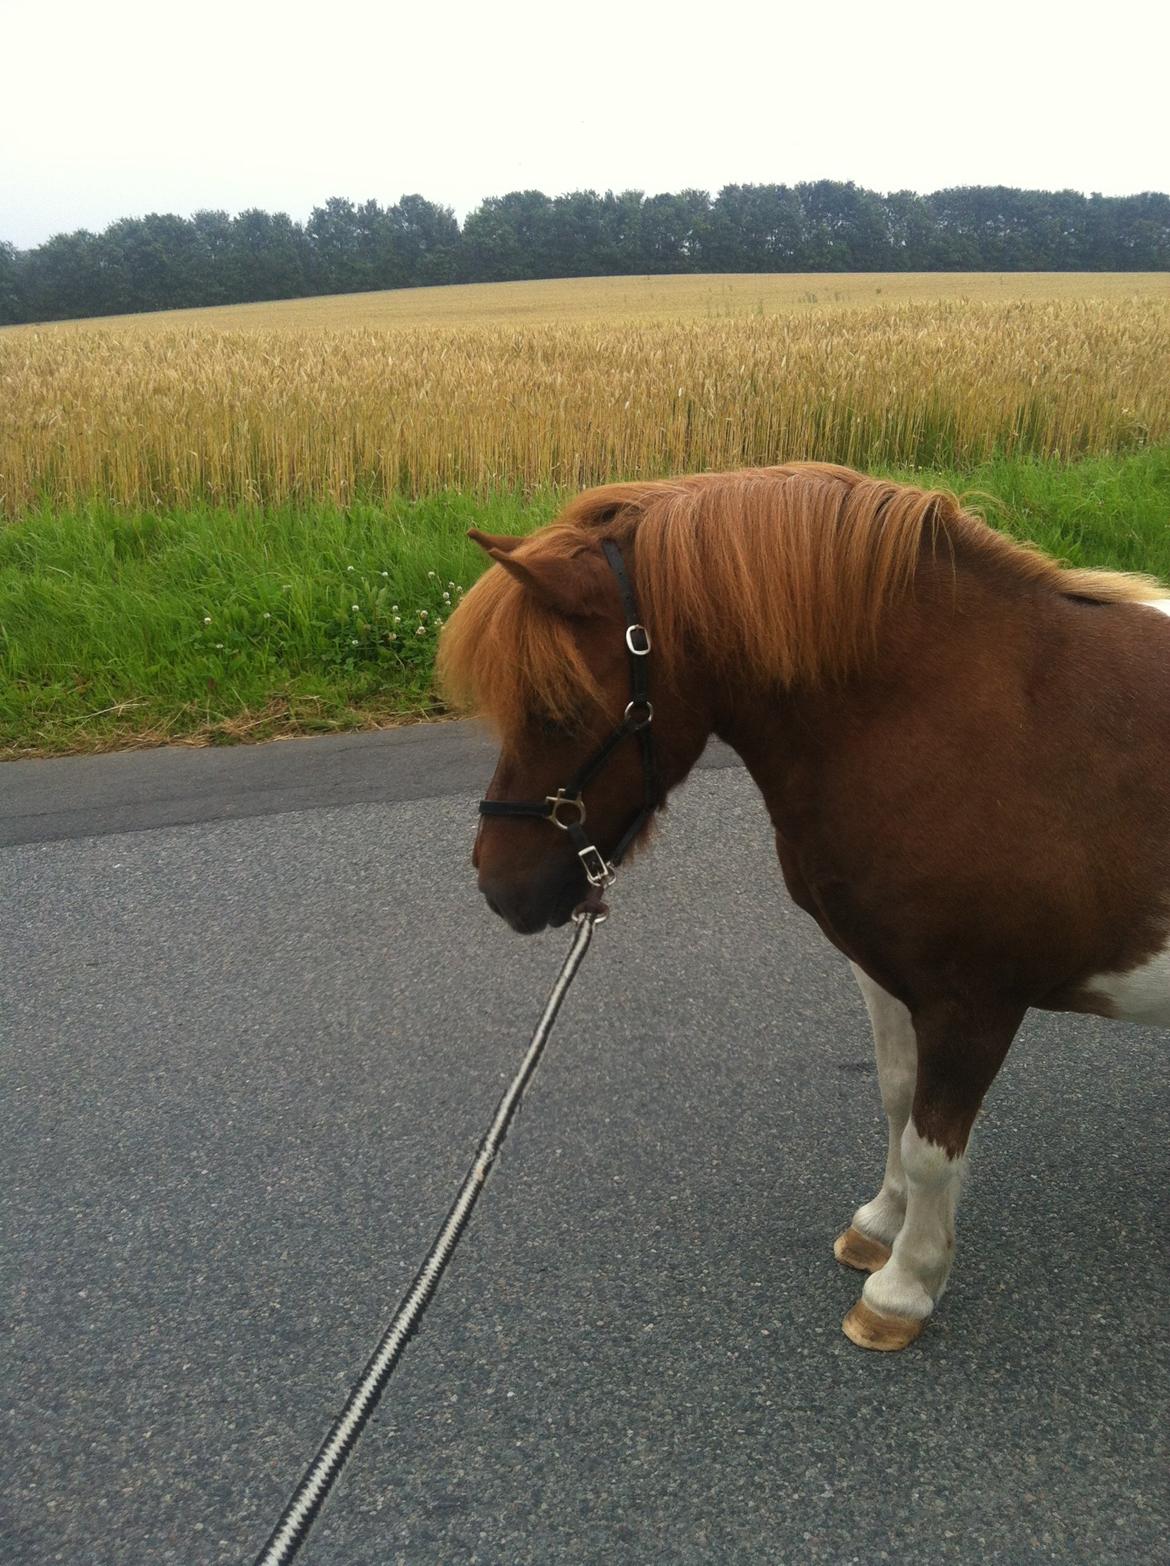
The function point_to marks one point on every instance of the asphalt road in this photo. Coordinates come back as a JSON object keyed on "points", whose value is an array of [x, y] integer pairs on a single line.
{"points": [[255, 1019]]}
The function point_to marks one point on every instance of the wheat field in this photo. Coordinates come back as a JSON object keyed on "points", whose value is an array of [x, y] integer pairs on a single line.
{"points": [[559, 300], [528, 386]]}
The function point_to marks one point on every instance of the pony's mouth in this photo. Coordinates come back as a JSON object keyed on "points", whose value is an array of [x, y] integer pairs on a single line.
{"points": [[530, 921]]}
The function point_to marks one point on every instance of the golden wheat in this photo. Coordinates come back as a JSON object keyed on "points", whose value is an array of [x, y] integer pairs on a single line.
{"points": [[188, 413]]}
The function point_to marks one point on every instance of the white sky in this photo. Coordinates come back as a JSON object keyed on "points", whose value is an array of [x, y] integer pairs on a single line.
{"points": [[113, 108]]}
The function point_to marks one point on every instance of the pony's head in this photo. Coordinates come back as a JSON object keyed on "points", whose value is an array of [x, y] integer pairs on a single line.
{"points": [[592, 730]]}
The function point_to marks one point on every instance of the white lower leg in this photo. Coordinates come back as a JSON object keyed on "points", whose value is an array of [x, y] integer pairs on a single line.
{"points": [[912, 1281], [897, 1059]]}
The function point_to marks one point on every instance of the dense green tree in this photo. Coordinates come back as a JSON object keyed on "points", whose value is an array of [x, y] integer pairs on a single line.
{"points": [[990, 222], [909, 232], [427, 241], [577, 245], [66, 277], [12, 307], [152, 263], [353, 248], [508, 238], [214, 241], [335, 262], [621, 233], [1141, 229], [844, 228], [756, 228], [675, 231], [269, 258]]}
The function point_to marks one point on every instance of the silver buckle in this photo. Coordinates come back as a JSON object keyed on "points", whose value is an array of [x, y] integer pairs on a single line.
{"points": [[598, 870], [554, 803], [638, 652]]}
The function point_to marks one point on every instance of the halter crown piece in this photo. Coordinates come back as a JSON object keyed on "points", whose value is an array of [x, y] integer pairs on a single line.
{"points": [[566, 808]]}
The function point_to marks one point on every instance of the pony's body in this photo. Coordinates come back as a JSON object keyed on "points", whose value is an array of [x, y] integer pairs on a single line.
{"points": [[964, 750], [998, 794]]}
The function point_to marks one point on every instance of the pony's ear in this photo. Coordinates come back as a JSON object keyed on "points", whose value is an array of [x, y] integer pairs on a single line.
{"points": [[576, 585], [494, 545]]}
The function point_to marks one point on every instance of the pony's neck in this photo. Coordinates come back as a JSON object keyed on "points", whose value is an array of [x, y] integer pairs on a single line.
{"points": [[962, 638]]}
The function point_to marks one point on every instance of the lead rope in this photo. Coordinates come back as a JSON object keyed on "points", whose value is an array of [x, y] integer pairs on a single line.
{"points": [[309, 1496]]}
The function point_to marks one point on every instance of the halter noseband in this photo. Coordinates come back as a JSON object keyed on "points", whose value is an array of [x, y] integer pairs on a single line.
{"points": [[566, 808]]}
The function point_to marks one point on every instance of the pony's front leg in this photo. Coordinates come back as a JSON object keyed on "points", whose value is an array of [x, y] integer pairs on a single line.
{"points": [[867, 1241], [957, 1060]]}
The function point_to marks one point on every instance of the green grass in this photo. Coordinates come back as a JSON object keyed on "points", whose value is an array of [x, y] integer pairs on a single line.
{"points": [[216, 626], [1102, 511]]}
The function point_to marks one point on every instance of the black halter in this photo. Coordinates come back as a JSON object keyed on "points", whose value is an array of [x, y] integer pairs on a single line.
{"points": [[559, 808]]}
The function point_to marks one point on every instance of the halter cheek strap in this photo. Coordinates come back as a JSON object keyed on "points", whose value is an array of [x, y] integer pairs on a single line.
{"points": [[566, 808]]}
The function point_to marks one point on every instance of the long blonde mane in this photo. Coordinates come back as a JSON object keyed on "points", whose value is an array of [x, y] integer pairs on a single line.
{"points": [[784, 572]]}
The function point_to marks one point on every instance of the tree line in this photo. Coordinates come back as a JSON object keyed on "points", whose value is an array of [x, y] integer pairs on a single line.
{"points": [[165, 262]]}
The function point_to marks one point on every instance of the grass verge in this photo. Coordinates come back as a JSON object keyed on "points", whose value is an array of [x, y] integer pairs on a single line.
{"points": [[208, 626]]}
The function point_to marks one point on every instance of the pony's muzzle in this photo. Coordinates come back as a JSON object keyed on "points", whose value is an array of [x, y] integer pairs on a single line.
{"points": [[531, 907]]}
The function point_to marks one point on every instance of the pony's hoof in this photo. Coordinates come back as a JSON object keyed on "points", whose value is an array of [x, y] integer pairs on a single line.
{"points": [[870, 1330], [860, 1250]]}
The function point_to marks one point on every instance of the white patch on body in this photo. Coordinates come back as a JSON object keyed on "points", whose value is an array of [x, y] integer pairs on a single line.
{"points": [[912, 1281], [1142, 994], [1159, 603]]}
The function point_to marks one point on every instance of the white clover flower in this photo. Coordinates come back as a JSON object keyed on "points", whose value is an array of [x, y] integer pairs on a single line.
{"points": [[385, 573], [422, 614], [219, 646], [267, 616], [446, 598], [430, 573], [354, 642], [349, 568], [450, 587], [207, 619], [397, 619], [355, 607], [394, 608], [393, 637], [422, 631]]}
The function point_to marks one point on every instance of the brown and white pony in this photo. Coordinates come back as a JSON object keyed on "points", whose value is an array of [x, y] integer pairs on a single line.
{"points": [[963, 747]]}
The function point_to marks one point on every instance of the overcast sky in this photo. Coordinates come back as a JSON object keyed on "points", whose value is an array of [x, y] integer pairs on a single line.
{"points": [[112, 108]]}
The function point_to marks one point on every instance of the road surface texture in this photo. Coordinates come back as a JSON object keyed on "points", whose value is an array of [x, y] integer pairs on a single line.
{"points": [[255, 1021]]}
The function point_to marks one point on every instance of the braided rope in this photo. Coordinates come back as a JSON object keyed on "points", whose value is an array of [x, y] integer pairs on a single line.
{"points": [[309, 1496]]}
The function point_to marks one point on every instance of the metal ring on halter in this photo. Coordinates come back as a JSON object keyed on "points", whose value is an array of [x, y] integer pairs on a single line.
{"points": [[638, 652], [598, 870], [638, 702], [554, 803]]}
